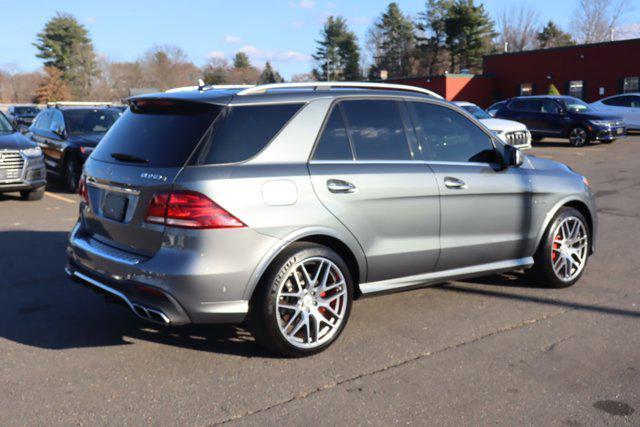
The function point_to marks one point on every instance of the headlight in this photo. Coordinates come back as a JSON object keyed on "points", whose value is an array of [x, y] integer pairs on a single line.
{"points": [[601, 123], [32, 152]]}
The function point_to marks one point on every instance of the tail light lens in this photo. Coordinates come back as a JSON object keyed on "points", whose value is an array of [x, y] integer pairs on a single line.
{"points": [[188, 209], [83, 191]]}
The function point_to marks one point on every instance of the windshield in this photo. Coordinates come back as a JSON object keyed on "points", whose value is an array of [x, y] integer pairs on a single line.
{"points": [[476, 112], [89, 121], [26, 110], [576, 105], [5, 126]]}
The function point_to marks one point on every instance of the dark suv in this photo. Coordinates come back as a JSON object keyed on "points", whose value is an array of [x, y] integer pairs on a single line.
{"points": [[563, 117], [67, 135], [22, 115]]}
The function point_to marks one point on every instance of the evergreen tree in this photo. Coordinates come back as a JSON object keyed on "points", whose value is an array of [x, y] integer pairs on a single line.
{"points": [[269, 75], [241, 60], [469, 32], [65, 45], [52, 87], [337, 52], [392, 38], [553, 90], [431, 39], [552, 36]]}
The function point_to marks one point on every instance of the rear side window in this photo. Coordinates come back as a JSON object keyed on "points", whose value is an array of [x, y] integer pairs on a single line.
{"points": [[158, 133], [242, 132], [623, 101], [448, 136], [376, 129], [334, 142]]}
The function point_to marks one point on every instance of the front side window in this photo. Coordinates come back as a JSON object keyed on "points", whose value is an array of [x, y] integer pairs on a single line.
{"points": [[376, 129], [5, 126], [548, 106], [334, 142], [623, 101], [448, 136], [526, 89], [43, 120], [576, 89], [631, 84]]}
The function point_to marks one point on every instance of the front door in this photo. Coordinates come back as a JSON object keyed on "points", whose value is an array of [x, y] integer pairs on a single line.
{"points": [[485, 210], [364, 170]]}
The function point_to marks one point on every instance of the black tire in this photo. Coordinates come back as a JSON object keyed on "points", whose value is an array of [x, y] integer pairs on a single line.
{"points": [[542, 271], [33, 195], [263, 318], [608, 141], [71, 172], [579, 136]]}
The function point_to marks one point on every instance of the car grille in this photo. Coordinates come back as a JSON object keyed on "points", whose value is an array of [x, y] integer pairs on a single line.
{"points": [[518, 138], [11, 165]]}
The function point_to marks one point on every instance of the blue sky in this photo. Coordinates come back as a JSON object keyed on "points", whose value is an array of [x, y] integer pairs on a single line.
{"points": [[281, 31]]}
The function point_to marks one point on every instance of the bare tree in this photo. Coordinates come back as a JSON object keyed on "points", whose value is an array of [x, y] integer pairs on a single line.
{"points": [[596, 20], [518, 27], [302, 77]]}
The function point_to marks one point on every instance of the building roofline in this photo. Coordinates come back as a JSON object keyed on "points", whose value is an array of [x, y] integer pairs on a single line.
{"points": [[552, 49], [399, 79]]}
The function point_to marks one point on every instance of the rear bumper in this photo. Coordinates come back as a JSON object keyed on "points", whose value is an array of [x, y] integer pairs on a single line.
{"points": [[176, 286]]}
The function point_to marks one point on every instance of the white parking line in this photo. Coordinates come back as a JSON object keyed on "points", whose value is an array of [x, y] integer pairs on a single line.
{"points": [[64, 199]]}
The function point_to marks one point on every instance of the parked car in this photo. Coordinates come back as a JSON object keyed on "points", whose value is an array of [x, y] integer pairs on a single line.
{"points": [[22, 115], [21, 163], [563, 117], [68, 135], [511, 132], [626, 105], [495, 107], [281, 204]]}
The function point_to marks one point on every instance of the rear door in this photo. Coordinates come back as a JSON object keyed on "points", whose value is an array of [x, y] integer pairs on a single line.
{"points": [[485, 211], [366, 171], [140, 156]]}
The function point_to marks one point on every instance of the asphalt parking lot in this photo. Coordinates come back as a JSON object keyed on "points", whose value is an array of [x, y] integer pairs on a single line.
{"points": [[496, 350]]}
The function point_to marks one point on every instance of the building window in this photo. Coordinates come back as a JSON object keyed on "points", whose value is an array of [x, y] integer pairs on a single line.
{"points": [[631, 84], [576, 88], [526, 89]]}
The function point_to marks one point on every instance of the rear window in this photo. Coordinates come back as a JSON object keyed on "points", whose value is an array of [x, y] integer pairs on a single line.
{"points": [[242, 132], [157, 133]]}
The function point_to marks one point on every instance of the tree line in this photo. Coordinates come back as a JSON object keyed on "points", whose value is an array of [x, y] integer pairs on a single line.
{"points": [[446, 36]]}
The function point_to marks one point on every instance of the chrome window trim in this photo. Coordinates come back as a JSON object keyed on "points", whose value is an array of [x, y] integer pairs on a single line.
{"points": [[399, 162]]}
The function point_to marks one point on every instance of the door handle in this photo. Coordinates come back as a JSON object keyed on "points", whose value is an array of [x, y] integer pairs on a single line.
{"points": [[340, 186], [454, 183]]}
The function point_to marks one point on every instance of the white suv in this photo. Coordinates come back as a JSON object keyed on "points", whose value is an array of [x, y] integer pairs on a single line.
{"points": [[511, 132]]}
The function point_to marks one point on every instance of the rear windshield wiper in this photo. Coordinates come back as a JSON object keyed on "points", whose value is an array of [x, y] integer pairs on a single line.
{"points": [[122, 157]]}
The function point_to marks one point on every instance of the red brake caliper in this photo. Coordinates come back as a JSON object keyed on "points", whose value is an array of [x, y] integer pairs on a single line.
{"points": [[556, 246]]}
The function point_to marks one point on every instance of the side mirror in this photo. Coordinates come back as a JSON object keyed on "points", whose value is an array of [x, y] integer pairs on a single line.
{"points": [[512, 157], [560, 110], [61, 133]]}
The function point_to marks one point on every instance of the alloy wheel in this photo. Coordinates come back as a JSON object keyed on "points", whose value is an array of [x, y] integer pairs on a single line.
{"points": [[311, 303], [578, 137], [569, 249]]}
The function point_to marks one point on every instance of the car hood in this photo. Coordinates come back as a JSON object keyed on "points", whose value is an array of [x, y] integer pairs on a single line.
{"points": [[88, 139], [548, 165], [503, 125], [14, 141]]}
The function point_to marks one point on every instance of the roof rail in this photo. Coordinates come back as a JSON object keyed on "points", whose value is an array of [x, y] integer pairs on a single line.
{"points": [[79, 104], [207, 87], [328, 85]]}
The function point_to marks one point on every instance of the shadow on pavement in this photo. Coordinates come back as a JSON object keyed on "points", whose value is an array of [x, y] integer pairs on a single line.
{"points": [[40, 307], [516, 280]]}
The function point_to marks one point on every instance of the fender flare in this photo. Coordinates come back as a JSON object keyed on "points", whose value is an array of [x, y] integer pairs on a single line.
{"points": [[556, 207], [349, 241]]}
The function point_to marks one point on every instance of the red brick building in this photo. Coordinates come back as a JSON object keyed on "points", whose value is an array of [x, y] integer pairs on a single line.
{"points": [[589, 72]]}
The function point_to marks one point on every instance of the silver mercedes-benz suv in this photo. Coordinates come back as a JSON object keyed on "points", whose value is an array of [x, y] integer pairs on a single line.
{"points": [[280, 204]]}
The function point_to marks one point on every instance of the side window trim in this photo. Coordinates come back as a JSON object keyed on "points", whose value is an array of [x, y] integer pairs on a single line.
{"points": [[347, 128]]}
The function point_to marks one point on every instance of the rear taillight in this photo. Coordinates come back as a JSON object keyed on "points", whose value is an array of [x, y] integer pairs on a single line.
{"points": [[83, 190], [189, 209]]}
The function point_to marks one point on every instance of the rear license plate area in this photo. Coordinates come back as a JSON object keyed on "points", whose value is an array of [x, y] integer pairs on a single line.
{"points": [[115, 206], [619, 131]]}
